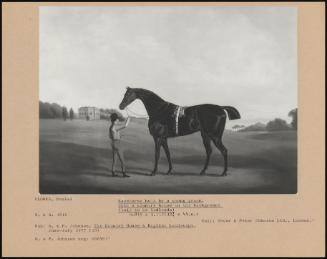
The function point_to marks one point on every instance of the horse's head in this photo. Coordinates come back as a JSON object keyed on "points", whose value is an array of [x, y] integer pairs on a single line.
{"points": [[129, 97]]}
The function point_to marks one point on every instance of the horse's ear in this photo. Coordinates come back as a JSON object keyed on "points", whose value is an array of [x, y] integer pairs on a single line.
{"points": [[127, 87]]}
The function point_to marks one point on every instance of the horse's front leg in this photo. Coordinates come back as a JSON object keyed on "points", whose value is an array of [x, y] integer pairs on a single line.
{"points": [[157, 143], [165, 146]]}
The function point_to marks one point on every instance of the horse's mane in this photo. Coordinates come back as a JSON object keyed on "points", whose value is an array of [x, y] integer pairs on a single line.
{"points": [[144, 93], [153, 103]]}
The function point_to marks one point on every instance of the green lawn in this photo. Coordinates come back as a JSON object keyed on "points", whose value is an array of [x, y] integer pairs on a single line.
{"points": [[75, 157]]}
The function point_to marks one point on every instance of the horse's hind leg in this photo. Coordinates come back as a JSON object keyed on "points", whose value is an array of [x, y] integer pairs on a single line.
{"points": [[207, 144], [165, 147], [157, 142], [218, 143]]}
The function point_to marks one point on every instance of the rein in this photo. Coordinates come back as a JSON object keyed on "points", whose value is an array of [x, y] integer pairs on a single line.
{"points": [[137, 114], [146, 116]]}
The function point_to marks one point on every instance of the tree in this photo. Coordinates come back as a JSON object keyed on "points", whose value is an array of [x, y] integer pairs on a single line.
{"points": [[47, 111], [277, 124], [64, 113], [57, 110], [44, 110], [71, 114], [293, 114]]}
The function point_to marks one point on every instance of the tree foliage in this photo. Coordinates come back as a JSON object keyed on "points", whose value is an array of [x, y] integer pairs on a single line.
{"points": [[50, 110], [277, 124], [293, 114], [64, 113], [71, 114]]}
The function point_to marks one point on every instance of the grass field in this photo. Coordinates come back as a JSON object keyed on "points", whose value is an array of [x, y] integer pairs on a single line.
{"points": [[75, 158]]}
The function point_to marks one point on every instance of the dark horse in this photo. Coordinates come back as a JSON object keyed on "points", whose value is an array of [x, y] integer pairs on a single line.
{"points": [[165, 122]]}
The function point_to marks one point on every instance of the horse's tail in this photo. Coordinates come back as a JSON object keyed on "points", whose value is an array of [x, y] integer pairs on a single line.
{"points": [[233, 114]]}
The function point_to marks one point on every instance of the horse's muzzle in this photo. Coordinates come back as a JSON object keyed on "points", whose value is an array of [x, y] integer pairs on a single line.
{"points": [[121, 106]]}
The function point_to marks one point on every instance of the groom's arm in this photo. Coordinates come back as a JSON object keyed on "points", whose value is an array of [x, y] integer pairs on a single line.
{"points": [[126, 124]]}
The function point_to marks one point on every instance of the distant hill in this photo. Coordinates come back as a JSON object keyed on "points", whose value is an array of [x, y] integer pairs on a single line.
{"points": [[255, 127]]}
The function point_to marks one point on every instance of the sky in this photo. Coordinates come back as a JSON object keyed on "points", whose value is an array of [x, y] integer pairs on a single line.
{"points": [[244, 57]]}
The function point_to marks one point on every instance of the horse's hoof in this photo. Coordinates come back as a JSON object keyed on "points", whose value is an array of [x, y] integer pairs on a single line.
{"points": [[202, 172], [153, 173], [169, 173], [224, 174]]}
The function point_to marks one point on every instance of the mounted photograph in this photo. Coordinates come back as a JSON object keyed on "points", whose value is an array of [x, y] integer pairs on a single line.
{"points": [[168, 100]]}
